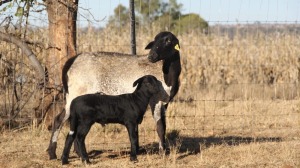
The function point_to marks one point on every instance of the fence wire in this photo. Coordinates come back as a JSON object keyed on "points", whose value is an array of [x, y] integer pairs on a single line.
{"points": [[240, 81]]}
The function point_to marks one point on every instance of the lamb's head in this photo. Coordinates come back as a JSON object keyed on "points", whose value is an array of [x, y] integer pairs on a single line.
{"points": [[151, 85], [165, 45]]}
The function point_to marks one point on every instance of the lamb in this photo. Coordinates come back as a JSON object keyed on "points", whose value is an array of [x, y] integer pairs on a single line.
{"points": [[125, 109], [112, 74]]}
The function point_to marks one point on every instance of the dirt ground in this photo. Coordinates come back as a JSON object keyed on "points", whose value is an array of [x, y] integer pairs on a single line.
{"points": [[27, 148]]}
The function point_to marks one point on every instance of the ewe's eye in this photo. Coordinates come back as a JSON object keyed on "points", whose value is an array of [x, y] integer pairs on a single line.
{"points": [[168, 41]]}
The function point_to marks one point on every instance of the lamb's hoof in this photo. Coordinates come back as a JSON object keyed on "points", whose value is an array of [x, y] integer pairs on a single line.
{"points": [[64, 160]]}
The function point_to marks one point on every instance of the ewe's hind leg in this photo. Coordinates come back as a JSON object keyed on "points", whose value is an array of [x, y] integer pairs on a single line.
{"points": [[158, 112], [59, 120]]}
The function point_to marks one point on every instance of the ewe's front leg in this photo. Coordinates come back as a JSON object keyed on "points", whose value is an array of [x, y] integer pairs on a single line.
{"points": [[158, 113]]}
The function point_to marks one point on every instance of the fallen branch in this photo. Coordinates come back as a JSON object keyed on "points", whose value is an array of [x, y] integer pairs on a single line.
{"points": [[27, 51]]}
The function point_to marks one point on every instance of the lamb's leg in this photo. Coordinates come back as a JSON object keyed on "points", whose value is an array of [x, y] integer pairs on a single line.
{"points": [[137, 142], [76, 149], [57, 125], [67, 148], [132, 129], [82, 131]]}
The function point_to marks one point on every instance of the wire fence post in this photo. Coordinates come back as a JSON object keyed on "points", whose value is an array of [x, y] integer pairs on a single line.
{"points": [[132, 28]]}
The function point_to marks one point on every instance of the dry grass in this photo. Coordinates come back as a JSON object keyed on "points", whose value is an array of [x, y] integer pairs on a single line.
{"points": [[238, 106], [109, 146]]}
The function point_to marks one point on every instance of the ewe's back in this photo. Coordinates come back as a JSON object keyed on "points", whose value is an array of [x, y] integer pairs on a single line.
{"points": [[111, 73]]}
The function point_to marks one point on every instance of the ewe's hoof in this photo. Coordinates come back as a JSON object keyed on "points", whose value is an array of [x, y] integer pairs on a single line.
{"points": [[51, 155], [134, 159], [165, 151], [162, 151], [51, 151], [86, 162]]}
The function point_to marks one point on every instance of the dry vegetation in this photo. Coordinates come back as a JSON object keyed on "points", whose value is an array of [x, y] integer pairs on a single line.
{"points": [[238, 105]]}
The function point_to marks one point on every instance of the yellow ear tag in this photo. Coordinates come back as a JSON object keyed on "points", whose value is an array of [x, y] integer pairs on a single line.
{"points": [[177, 47]]}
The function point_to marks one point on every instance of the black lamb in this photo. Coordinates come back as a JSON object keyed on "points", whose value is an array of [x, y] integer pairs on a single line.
{"points": [[125, 109]]}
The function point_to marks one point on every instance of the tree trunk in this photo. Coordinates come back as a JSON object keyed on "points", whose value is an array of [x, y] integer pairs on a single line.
{"points": [[62, 15]]}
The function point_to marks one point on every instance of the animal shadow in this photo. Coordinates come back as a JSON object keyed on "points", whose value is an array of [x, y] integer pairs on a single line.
{"points": [[94, 153], [185, 145], [114, 154], [193, 145]]}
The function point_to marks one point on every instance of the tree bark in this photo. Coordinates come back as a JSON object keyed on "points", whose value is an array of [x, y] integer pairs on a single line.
{"points": [[62, 15]]}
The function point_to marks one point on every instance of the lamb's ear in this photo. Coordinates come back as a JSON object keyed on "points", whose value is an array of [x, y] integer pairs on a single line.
{"points": [[149, 46], [138, 81]]}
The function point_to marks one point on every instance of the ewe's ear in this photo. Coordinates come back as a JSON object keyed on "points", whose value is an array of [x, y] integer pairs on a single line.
{"points": [[149, 46], [177, 47], [138, 81]]}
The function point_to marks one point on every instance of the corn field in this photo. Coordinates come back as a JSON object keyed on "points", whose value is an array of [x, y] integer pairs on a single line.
{"points": [[239, 93]]}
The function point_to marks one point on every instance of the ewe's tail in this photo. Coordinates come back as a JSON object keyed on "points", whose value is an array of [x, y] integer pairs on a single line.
{"points": [[65, 70]]}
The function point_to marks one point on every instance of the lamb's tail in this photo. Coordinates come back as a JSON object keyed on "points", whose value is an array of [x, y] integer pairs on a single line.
{"points": [[65, 70]]}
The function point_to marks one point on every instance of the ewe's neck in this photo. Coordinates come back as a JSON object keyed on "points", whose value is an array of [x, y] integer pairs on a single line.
{"points": [[171, 68]]}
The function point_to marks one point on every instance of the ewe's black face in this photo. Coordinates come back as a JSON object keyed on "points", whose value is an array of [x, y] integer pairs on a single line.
{"points": [[165, 44], [153, 86]]}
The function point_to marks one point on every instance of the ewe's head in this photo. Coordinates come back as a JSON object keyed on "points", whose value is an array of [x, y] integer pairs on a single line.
{"points": [[151, 85], [165, 45]]}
